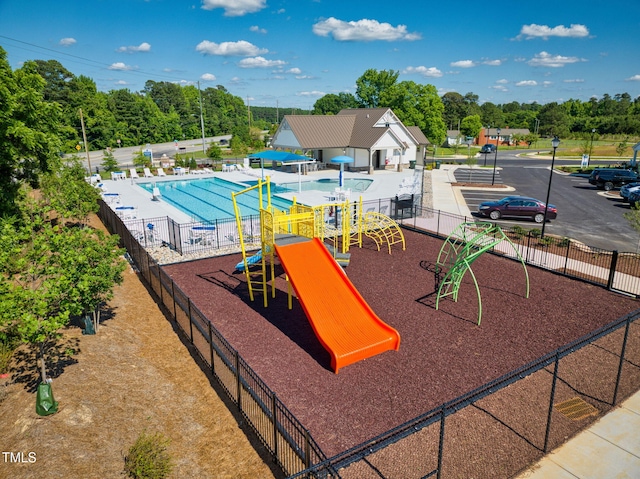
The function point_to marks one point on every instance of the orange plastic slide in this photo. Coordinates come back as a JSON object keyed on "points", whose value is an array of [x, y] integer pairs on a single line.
{"points": [[344, 323]]}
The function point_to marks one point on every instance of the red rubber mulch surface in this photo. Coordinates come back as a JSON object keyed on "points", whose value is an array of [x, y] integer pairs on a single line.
{"points": [[443, 353]]}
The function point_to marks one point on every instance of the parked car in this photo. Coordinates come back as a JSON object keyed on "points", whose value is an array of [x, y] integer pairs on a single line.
{"points": [[488, 148], [610, 178], [517, 207], [634, 198], [626, 190]]}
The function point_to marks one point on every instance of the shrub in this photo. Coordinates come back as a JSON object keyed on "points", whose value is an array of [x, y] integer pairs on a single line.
{"points": [[148, 458]]}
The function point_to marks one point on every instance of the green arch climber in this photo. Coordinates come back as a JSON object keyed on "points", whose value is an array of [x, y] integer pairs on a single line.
{"points": [[463, 246]]}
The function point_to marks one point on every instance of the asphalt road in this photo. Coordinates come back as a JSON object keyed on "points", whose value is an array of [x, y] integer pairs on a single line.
{"points": [[585, 213]]}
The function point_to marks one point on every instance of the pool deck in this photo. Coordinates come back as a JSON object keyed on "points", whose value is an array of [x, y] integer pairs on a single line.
{"points": [[386, 184]]}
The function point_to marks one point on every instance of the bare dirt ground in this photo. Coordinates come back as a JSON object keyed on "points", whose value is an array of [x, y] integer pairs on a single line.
{"points": [[134, 375]]}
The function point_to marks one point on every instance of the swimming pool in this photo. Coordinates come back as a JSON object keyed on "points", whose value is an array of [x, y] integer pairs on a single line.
{"points": [[324, 184], [208, 199]]}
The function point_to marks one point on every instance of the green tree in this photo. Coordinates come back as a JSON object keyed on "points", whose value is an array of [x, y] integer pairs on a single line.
{"points": [[491, 115], [29, 127], [372, 86], [471, 126], [214, 152], [554, 120], [109, 163], [332, 104], [69, 195]]}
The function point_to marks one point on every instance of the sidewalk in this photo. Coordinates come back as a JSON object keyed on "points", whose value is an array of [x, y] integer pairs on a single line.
{"points": [[610, 448]]}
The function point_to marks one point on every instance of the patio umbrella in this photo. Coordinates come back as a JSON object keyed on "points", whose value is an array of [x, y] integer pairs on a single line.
{"points": [[276, 155], [342, 160]]}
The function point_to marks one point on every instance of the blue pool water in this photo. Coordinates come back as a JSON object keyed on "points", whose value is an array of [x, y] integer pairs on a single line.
{"points": [[324, 184], [208, 199]]}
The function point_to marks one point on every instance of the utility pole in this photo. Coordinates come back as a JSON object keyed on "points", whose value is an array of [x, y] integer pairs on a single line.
{"points": [[86, 145], [204, 149]]}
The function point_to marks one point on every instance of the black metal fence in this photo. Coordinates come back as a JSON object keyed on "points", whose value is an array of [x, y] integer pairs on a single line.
{"points": [[503, 426], [286, 439], [493, 431]]}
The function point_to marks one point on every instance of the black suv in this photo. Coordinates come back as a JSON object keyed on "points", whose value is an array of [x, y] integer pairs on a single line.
{"points": [[610, 178], [488, 148]]}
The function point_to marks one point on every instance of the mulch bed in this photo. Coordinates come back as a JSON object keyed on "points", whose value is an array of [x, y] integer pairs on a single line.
{"points": [[443, 353]]}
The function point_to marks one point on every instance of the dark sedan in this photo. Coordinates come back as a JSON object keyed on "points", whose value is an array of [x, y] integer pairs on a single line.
{"points": [[517, 207]]}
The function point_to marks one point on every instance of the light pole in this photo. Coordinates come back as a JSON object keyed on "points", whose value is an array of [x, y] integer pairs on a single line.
{"points": [[555, 142], [486, 141], [593, 132], [495, 158]]}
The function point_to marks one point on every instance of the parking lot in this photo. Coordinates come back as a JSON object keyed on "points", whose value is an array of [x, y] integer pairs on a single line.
{"points": [[585, 213]]}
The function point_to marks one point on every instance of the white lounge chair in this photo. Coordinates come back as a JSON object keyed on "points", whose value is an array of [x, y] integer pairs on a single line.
{"points": [[127, 212], [161, 172], [207, 170], [133, 173], [147, 173]]}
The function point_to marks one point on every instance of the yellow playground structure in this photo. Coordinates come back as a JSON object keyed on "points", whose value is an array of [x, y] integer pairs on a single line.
{"points": [[338, 225], [312, 245]]}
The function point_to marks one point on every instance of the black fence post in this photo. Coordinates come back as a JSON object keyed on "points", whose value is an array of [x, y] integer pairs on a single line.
{"points": [[545, 448], [621, 364], [274, 419], [190, 320], [566, 258], [441, 442], [612, 269], [213, 368], [238, 381]]}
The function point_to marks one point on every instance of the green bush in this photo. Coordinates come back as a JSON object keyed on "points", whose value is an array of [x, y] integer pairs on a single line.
{"points": [[148, 458]]}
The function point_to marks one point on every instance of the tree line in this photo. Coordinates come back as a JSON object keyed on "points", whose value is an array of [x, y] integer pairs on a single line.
{"points": [[165, 111]]}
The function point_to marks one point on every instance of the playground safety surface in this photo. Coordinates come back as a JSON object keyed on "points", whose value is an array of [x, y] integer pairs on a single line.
{"points": [[443, 353]]}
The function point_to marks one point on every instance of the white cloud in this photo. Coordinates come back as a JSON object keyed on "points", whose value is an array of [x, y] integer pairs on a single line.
{"points": [[432, 72], [575, 80], [304, 77], [257, 29], [143, 47], [547, 83], [260, 62], [634, 78], [500, 88], [315, 93], [295, 71], [67, 42], [492, 63], [463, 64], [241, 48], [208, 77], [120, 66], [503, 81], [527, 83], [362, 30], [544, 59], [543, 31], [235, 8]]}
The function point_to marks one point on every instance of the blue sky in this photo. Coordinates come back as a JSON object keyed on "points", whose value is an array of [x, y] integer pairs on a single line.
{"points": [[289, 53]]}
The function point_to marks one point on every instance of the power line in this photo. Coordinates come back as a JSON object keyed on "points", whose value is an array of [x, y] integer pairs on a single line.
{"points": [[89, 61]]}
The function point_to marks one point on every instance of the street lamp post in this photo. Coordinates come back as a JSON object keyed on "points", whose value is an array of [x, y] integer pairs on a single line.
{"points": [[495, 158], [555, 142], [486, 141], [593, 132]]}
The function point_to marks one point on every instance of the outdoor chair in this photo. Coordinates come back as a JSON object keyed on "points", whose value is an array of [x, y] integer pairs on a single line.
{"points": [[133, 173], [147, 173], [161, 172]]}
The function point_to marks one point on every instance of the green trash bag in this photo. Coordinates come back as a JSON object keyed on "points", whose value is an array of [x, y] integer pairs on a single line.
{"points": [[45, 404], [88, 325]]}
